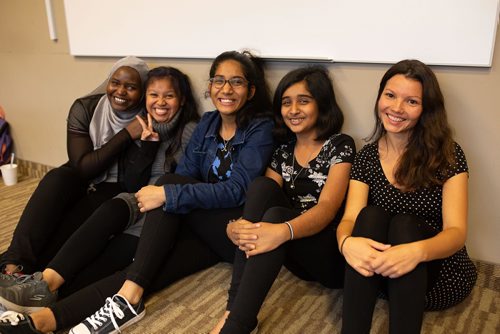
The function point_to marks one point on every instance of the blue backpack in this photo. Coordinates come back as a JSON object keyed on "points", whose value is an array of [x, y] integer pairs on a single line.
{"points": [[5, 142]]}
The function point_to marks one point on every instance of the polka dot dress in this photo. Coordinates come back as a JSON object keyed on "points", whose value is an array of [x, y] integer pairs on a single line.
{"points": [[457, 274]]}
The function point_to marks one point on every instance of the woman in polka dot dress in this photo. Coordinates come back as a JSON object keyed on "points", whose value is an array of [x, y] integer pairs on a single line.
{"points": [[405, 223]]}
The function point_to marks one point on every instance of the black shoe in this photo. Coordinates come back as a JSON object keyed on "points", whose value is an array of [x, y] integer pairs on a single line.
{"points": [[116, 315], [13, 322]]}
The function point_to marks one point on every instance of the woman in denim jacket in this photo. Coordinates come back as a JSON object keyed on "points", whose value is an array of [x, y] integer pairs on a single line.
{"points": [[250, 149], [187, 212]]}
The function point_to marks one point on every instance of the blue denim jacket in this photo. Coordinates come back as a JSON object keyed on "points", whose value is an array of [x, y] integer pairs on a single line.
{"points": [[252, 149]]}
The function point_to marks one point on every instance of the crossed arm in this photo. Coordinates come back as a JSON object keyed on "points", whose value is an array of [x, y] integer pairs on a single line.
{"points": [[261, 237], [369, 257]]}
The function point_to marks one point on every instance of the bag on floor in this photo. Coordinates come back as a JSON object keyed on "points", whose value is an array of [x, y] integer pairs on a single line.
{"points": [[5, 142]]}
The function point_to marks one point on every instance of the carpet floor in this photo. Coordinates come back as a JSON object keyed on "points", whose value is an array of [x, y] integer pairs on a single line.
{"points": [[194, 304]]}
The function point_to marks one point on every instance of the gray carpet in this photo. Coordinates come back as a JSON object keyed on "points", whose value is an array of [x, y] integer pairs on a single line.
{"points": [[194, 304]]}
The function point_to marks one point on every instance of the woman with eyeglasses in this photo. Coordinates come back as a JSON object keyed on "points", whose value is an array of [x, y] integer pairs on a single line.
{"points": [[187, 212], [291, 213]]}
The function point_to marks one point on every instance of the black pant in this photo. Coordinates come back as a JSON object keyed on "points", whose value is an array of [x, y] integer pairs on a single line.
{"points": [[97, 249], [58, 206], [198, 241], [313, 258], [406, 294]]}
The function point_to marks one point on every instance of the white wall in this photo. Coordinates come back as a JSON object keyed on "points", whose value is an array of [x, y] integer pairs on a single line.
{"points": [[39, 80]]}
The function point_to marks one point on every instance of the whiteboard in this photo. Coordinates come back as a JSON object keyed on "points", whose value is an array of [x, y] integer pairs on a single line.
{"points": [[437, 32]]}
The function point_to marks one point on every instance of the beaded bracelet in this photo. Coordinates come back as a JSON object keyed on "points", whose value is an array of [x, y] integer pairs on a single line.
{"points": [[291, 230], [342, 244]]}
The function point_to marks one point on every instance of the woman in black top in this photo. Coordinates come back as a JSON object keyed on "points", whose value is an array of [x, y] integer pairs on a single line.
{"points": [[291, 214], [100, 128], [405, 222]]}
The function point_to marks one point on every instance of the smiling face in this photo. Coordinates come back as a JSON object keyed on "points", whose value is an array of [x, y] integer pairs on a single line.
{"points": [[228, 99], [124, 89], [162, 100], [299, 110], [400, 104]]}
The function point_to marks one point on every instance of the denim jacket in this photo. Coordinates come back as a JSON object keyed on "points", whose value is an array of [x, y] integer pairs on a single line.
{"points": [[252, 149]]}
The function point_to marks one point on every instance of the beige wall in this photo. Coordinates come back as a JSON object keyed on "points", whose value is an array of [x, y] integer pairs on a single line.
{"points": [[39, 80]]}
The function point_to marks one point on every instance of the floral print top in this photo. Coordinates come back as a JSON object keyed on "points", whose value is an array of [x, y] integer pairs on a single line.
{"points": [[303, 184]]}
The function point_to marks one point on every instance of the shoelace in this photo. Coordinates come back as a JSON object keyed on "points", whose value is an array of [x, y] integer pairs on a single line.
{"points": [[16, 276], [21, 281], [23, 278], [109, 310], [12, 317]]}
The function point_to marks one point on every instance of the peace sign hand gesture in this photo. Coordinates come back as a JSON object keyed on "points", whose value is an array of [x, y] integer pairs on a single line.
{"points": [[148, 133]]}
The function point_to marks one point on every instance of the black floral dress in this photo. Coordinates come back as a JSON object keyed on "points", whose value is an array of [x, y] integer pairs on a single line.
{"points": [[303, 184]]}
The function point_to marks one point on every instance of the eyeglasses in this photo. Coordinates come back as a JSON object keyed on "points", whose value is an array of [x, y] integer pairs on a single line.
{"points": [[235, 82]]}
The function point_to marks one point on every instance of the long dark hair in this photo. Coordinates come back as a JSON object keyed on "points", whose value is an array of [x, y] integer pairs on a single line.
{"points": [[319, 84], [430, 149], [189, 110], [253, 70]]}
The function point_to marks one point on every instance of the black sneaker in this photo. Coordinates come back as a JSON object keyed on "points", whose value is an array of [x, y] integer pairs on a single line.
{"points": [[13, 322], [116, 315], [27, 297]]}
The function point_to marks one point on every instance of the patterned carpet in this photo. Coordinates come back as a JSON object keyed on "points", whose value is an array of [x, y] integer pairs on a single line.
{"points": [[193, 305]]}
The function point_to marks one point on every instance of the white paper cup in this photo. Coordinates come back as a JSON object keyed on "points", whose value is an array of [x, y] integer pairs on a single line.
{"points": [[9, 174]]}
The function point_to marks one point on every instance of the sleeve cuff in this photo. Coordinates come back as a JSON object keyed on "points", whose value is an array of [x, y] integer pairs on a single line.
{"points": [[171, 198]]}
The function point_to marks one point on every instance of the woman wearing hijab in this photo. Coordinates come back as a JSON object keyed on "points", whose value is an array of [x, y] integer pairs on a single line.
{"points": [[114, 228], [100, 127]]}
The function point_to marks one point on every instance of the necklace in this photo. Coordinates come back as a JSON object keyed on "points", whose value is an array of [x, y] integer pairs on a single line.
{"points": [[224, 144], [292, 185]]}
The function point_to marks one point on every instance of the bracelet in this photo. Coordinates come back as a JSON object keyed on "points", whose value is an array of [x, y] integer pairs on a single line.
{"points": [[291, 230], [342, 244]]}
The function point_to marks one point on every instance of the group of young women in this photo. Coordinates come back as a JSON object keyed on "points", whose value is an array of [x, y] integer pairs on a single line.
{"points": [[151, 194]]}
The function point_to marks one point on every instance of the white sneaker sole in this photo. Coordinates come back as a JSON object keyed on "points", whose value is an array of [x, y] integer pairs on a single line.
{"points": [[130, 322], [125, 325], [19, 308]]}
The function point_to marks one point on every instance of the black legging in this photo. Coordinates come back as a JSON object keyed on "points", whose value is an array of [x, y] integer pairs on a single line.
{"points": [[406, 294], [199, 241], [312, 258], [58, 206], [97, 249]]}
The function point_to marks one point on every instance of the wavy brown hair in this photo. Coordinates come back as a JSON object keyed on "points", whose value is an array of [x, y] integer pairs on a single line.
{"points": [[430, 148]]}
